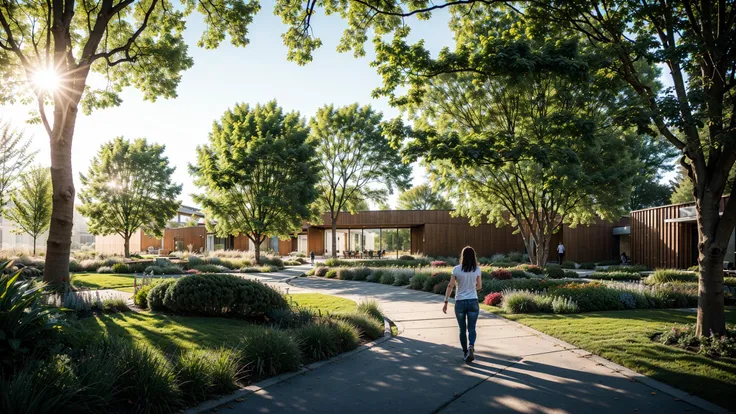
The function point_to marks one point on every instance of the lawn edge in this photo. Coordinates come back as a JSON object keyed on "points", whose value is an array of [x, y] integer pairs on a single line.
{"points": [[262, 385], [627, 372]]}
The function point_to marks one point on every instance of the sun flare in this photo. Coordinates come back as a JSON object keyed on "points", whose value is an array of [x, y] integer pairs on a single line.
{"points": [[46, 79]]}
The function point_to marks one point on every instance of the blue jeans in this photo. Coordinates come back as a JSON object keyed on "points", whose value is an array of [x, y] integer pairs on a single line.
{"points": [[467, 309]]}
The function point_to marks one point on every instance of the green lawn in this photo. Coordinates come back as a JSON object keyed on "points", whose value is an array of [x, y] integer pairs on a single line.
{"points": [[102, 280], [624, 337], [324, 303], [171, 332]]}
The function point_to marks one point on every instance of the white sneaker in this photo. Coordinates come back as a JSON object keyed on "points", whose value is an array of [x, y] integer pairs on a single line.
{"points": [[469, 357]]}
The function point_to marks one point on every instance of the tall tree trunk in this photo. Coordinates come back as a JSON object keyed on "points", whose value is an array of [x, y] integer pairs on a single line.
{"points": [[334, 238], [34, 245], [126, 246], [56, 271], [711, 252], [257, 241]]}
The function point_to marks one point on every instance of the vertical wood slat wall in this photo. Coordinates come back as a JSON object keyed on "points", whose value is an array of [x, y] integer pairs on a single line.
{"points": [[658, 244], [591, 243], [196, 236]]}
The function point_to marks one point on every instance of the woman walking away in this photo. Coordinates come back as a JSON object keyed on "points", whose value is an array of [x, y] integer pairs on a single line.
{"points": [[467, 277]]}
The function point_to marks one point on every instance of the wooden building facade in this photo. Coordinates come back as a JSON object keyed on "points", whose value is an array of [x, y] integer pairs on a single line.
{"points": [[667, 236]]}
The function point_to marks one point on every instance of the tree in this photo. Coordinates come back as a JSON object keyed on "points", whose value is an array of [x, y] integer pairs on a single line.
{"points": [[128, 187], [357, 161], [533, 151], [694, 41], [258, 172], [48, 49], [15, 155], [31, 210], [192, 221], [655, 158], [422, 197]]}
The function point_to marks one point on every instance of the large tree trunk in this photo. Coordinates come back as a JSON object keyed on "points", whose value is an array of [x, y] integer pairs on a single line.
{"points": [[257, 246], [34, 245], [711, 252], [334, 238], [126, 246], [56, 271]]}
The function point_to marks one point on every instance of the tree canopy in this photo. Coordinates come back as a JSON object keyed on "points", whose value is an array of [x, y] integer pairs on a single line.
{"points": [[128, 187], [356, 159], [48, 50], [258, 173], [31, 210], [694, 41], [655, 157], [15, 156], [423, 197]]}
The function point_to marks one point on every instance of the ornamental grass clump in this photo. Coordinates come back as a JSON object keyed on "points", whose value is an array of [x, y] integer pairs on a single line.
{"points": [[564, 305], [554, 271], [616, 276], [321, 271], [671, 276], [317, 341], [417, 280], [267, 352], [401, 277], [361, 273], [388, 278], [371, 308], [369, 328], [345, 274], [519, 301]]}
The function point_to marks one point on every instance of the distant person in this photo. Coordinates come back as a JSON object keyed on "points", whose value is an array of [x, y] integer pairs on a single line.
{"points": [[467, 277], [560, 253], [311, 256], [624, 259]]}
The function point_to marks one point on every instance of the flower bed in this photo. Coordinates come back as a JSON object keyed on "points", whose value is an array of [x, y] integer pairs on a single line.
{"points": [[616, 276], [714, 346]]}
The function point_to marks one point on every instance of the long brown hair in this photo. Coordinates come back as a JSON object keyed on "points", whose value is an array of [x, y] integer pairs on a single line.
{"points": [[467, 259]]}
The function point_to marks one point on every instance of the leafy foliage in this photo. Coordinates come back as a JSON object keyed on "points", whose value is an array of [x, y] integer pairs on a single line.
{"points": [[15, 155], [258, 172], [129, 187], [356, 160], [31, 209], [269, 352], [422, 197]]}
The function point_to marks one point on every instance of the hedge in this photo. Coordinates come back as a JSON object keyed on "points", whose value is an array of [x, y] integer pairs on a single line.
{"points": [[221, 295], [617, 276]]}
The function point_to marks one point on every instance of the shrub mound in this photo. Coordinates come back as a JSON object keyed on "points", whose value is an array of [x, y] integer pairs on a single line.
{"points": [[502, 274], [617, 276], [493, 299], [671, 275], [435, 279], [554, 271], [723, 346], [221, 295]]}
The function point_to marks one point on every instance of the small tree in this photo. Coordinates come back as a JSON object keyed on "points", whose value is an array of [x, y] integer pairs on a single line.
{"points": [[14, 157], [31, 209], [422, 197], [357, 160], [258, 173], [128, 187]]}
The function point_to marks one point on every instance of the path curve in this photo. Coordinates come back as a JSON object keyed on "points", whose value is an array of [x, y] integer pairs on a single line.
{"points": [[517, 369]]}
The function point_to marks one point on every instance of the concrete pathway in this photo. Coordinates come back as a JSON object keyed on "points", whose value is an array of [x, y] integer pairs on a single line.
{"points": [[421, 371]]}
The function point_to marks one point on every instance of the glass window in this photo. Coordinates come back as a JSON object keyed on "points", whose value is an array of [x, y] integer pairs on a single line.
{"points": [[404, 241], [372, 242], [356, 240]]}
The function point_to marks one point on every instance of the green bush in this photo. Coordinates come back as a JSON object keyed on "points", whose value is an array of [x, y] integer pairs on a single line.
{"points": [[141, 296], [587, 266], [24, 323], [518, 274], [417, 281], [369, 328], [348, 336], [407, 257], [401, 277], [715, 346], [267, 352], [387, 278], [695, 268], [331, 274], [121, 268], [441, 287], [291, 318], [222, 295], [435, 279], [147, 379], [670, 276], [361, 273], [729, 281], [519, 301], [372, 308], [516, 257], [317, 341], [74, 266], [375, 276], [42, 387], [156, 270], [534, 269], [612, 262], [114, 305], [626, 268], [345, 274], [226, 370], [211, 268], [617, 276], [104, 269], [193, 370], [571, 274], [421, 262], [292, 263], [172, 270], [157, 293], [568, 264], [590, 297], [554, 271], [321, 271]]}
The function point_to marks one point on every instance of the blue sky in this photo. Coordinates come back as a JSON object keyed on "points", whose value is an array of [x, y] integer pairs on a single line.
{"points": [[228, 75]]}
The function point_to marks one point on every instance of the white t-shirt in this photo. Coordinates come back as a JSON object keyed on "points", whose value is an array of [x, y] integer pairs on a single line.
{"points": [[560, 248], [465, 282]]}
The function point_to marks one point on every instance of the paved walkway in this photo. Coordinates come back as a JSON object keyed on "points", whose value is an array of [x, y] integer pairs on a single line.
{"points": [[421, 371]]}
